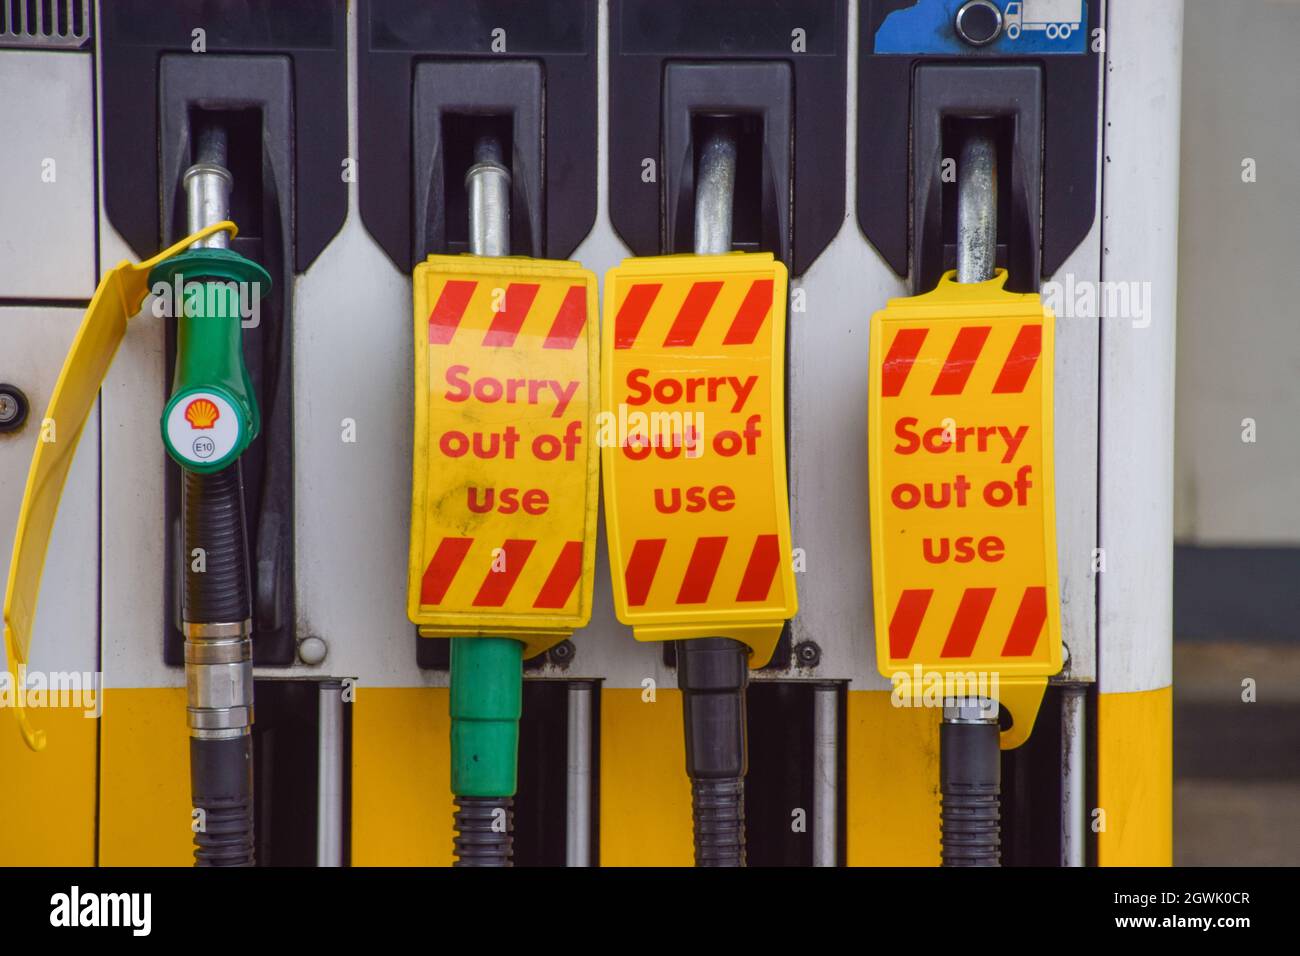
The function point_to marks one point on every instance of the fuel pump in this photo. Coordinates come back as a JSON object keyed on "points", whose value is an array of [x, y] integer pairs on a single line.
{"points": [[726, 174], [503, 500], [981, 192], [209, 421], [207, 424], [970, 762], [712, 671], [486, 676], [502, 531], [962, 508], [698, 520]]}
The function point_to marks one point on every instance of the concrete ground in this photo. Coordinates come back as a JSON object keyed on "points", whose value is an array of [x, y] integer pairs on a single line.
{"points": [[1236, 762]]}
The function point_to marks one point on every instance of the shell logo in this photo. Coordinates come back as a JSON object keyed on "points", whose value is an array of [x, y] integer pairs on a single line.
{"points": [[201, 413]]}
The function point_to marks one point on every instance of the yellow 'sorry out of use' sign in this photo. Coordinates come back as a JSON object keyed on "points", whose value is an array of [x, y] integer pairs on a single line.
{"points": [[963, 532], [693, 442], [503, 502]]}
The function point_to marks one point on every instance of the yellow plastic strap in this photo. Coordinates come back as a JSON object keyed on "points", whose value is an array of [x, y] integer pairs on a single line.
{"points": [[120, 296]]}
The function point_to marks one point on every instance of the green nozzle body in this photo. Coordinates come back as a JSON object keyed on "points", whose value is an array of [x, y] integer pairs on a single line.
{"points": [[212, 415], [486, 703]]}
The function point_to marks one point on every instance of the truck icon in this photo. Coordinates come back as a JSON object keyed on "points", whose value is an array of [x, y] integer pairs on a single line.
{"points": [[1057, 18]]}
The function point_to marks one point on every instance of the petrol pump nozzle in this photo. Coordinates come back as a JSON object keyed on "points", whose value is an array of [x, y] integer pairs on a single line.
{"points": [[712, 672], [212, 415], [970, 759], [209, 421], [486, 672]]}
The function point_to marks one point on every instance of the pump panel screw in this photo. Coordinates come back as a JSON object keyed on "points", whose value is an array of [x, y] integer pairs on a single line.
{"points": [[562, 654], [807, 654], [13, 408]]}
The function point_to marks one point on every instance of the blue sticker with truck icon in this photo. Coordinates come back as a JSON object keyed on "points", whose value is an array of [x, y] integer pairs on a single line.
{"points": [[1023, 27]]}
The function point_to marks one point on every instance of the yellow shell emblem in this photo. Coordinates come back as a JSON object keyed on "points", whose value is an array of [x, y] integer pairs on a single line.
{"points": [[201, 413]]}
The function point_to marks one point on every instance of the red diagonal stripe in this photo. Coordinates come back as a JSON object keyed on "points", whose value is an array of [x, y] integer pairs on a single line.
{"points": [[448, 310], [966, 624], [569, 320], [1028, 624], [442, 569], [496, 586], [1021, 360], [507, 323], [632, 313], [898, 363], [761, 569], [705, 559], [691, 316], [564, 575], [749, 318], [906, 622], [641, 567], [961, 360]]}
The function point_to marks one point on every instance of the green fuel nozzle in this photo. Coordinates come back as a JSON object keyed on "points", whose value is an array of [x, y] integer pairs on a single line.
{"points": [[212, 415], [209, 421], [486, 703]]}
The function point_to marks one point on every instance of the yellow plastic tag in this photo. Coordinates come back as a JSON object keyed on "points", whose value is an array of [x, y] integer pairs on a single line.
{"points": [[503, 503], [119, 296], [693, 441], [963, 517]]}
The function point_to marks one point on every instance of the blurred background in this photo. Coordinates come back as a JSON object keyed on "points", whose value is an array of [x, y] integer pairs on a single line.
{"points": [[1237, 500]]}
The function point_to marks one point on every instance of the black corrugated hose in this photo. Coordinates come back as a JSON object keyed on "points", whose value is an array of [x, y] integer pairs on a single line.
{"points": [[221, 770], [970, 784], [712, 673], [477, 842]]}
